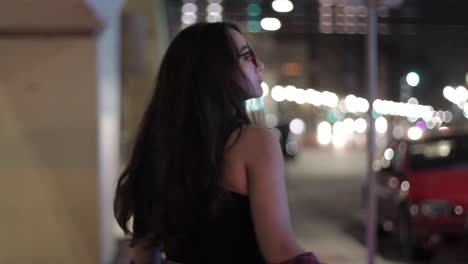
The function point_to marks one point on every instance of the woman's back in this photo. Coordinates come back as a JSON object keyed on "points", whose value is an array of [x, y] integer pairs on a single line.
{"points": [[252, 162], [229, 235], [227, 238]]}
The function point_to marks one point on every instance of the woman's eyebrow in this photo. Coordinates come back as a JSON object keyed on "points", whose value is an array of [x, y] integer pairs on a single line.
{"points": [[246, 47]]}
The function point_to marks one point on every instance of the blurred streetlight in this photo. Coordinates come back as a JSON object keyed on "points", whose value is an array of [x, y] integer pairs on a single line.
{"points": [[278, 93], [415, 133], [265, 89], [297, 126], [324, 133], [282, 6], [412, 79], [381, 125], [360, 125], [270, 24]]}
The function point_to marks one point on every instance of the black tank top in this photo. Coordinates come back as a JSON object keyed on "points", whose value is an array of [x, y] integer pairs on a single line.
{"points": [[228, 238]]}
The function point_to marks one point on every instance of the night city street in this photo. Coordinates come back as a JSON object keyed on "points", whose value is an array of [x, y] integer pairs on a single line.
{"points": [[325, 199], [163, 121]]}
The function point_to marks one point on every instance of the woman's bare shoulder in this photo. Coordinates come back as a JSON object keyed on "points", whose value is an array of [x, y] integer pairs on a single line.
{"points": [[257, 131], [254, 137], [250, 137], [245, 147]]}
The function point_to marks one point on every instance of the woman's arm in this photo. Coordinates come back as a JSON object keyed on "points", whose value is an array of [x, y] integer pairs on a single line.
{"points": [[142, 254], [268, 197]]}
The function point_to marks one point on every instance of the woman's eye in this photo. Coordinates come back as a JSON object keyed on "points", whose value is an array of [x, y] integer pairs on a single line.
{"points": [[248, 56]]}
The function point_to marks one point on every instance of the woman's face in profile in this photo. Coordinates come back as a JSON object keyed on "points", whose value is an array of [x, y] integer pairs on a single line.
{"points": [[250, 66]]}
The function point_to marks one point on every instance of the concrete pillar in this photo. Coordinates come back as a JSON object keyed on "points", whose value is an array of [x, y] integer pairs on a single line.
{"points": [[59, 129]]}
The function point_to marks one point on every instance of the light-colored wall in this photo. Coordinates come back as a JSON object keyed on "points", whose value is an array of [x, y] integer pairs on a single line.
{"points": [[59, 124], [146, 17], [59, 129], [48, 156], [49, 16]]}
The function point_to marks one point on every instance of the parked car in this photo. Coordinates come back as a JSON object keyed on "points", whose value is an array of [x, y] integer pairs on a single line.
{"points": [[422, 192]]}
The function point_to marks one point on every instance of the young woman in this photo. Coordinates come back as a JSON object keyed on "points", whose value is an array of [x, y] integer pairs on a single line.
{"points": [[203, 183]]}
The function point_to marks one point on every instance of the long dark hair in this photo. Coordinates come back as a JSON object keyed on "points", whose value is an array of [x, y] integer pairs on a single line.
{"points": [[174, 175]]}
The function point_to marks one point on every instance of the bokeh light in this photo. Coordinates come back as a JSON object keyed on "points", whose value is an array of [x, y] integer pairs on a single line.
{"points": [[297, 126], [324, 133], [415, 133], [270, 23], [282, 6], [360, 125], [412, 79], [381, 125]]}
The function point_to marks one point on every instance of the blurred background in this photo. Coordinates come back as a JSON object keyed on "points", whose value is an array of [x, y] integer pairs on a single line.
{"points": [[75, 77]]}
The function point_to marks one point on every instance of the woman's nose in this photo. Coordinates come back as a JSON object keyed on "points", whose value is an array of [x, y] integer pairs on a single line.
{"points": [[260, 66]]}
